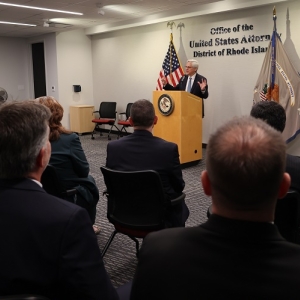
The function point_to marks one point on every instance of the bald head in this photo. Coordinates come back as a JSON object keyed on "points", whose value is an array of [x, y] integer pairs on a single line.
{"points": [[245, 162]]}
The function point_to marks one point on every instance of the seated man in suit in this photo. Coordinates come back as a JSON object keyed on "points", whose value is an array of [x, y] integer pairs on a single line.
{"points": [[274, 114], [238, 253], [191, 82], [48, 244], [143, 151]]}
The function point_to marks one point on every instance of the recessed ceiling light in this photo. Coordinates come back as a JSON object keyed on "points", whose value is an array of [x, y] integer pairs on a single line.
{"points": [[12, 23], [41, 8]]}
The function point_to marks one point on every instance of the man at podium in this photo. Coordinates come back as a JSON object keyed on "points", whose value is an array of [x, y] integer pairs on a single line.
{"points": [[191, 82]]}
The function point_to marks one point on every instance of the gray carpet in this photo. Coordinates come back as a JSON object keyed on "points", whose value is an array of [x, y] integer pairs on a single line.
{"points": [[120, 259]]}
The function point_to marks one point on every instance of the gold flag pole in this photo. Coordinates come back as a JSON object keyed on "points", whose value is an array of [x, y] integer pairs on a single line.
{"points": [[171, 24]]}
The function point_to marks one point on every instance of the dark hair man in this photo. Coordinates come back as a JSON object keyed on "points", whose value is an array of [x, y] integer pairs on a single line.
{"points": [[238, 253], [48, 244], [143, 151], [274, 114]]}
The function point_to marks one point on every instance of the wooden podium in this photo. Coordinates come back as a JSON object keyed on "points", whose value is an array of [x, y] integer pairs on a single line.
{"points": [[183, 126]]}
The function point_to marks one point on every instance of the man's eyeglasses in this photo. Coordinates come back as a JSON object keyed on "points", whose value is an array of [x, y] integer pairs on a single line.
{"points": [[188, 67]]}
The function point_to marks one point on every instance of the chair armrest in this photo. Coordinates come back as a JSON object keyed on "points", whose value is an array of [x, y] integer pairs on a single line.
{"points": [[178, 200], [123, 113], [95, 111], [70, 192]]}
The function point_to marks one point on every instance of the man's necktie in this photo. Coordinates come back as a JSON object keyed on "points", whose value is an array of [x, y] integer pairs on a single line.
{"points": [[189, 85]]}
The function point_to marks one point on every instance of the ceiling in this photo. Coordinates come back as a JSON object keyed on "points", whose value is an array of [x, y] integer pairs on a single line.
{"points": [[108, 15]]}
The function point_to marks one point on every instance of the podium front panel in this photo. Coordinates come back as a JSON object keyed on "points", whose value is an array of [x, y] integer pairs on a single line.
{"points": [[183, 126]]}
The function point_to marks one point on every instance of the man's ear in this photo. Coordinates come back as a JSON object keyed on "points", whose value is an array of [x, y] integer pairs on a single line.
{"points": [[40, 158], [284, 185], [206, 183], [43, 157], [155, 120], [130, 121]]}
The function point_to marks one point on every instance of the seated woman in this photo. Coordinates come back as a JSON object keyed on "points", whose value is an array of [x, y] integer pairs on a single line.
{"points": [[68, 158]]}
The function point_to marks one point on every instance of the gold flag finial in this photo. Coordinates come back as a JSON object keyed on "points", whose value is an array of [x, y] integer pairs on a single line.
{"points": [[171, 24], [274, 11]]}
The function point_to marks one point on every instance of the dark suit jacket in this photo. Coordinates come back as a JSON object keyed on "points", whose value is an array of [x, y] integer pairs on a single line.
{"points": [[293, 168], [143, 151], [220, 259], [195, 88], [68, 157], [48, 246]]}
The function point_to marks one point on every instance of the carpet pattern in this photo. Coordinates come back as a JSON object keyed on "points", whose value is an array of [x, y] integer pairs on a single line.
{"points": [[120, 259]]}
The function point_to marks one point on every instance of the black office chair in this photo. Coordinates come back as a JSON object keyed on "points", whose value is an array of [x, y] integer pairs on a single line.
{"points": [[125, 123], [136, 203], [107, 116], [23, 297], [53, 186], [287, 216]]}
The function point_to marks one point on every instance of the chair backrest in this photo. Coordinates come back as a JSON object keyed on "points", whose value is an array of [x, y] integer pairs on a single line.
{"points": [[107, 110], [128, 107], [136, 199], [51, 183], [287, 216], [53, 186]]}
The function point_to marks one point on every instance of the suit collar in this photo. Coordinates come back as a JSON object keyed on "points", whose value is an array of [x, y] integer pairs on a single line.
{"points": [[20, 183], [242, 230], [142, 132]]}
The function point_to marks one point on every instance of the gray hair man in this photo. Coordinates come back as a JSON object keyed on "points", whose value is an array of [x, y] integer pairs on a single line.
{"points": [[49, 247]]}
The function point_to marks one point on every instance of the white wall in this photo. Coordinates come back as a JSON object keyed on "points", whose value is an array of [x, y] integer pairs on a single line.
{"points": [[126, 62], [14, 67], [74, 67], [123, 65]]}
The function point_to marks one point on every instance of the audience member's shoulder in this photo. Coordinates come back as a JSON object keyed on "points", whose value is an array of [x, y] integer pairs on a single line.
{"points": [[293, 158], [72, 136], [116, 142], [52, 203], [164, 142], [67, 137], [172, 236]]}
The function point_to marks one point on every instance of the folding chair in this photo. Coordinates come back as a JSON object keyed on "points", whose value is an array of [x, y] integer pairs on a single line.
{"points": [[125, 123], [107, 116]]}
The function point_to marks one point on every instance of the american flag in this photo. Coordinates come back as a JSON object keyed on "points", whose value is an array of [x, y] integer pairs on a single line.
{"points": [[262, 96], [171, 68]]}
